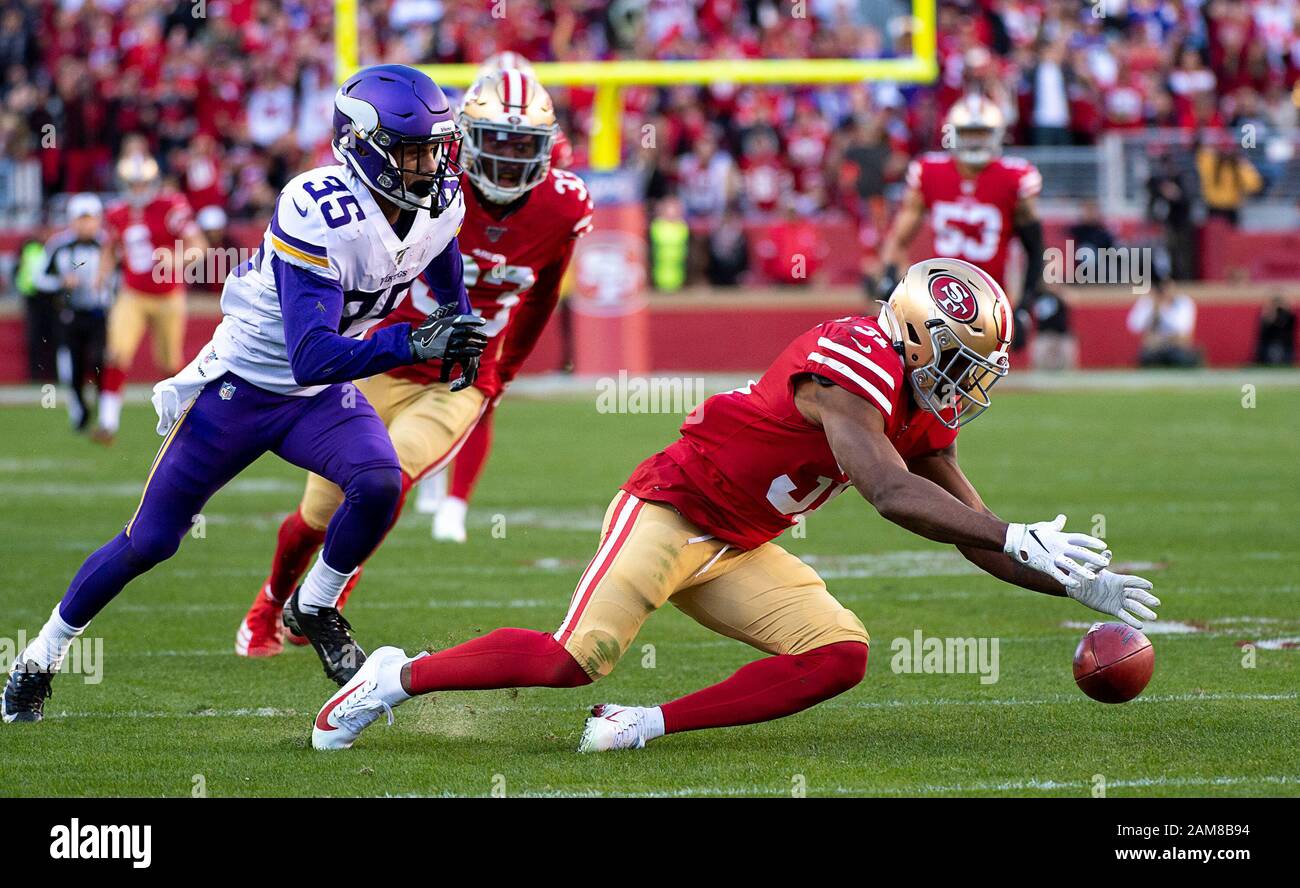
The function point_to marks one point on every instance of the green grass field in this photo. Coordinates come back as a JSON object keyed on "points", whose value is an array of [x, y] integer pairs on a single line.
{"points": [[1197, 490]]}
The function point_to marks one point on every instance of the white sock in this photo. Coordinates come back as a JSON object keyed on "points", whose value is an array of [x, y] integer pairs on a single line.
{"points": [[110, 411], [75, 413], [322, 587], [430, 493], [51, 645], [653, 727]]}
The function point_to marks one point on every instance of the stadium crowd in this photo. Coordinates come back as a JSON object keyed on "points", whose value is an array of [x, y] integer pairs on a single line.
{"points": [[236, 99]]}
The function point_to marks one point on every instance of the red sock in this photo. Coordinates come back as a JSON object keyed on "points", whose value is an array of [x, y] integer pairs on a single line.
{"points": [[112, 379], [295, 545], [504, 658], [471, 459], [770, 688]]}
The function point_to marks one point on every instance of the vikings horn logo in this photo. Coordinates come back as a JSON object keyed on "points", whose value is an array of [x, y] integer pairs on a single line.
{"points": [[954, 298]]}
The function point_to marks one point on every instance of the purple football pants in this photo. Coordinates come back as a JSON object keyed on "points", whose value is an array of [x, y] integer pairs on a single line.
{"points": [[335, 434]]}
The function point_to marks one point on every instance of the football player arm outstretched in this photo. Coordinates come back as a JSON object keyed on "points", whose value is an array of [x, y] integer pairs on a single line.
{"points": [[312, 308], [893, 253], [1120, 595], [856, 434]]}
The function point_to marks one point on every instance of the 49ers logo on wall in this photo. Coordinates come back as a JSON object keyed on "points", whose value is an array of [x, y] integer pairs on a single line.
{"points": [[954, 298]]}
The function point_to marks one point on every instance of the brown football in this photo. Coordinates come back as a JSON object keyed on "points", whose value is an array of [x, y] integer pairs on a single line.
{"points": [[1113, 662]]}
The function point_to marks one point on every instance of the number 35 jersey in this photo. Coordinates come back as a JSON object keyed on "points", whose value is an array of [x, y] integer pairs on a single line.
{"points": [[974, 219], [748, 464], [326, 222], [513, 269]]}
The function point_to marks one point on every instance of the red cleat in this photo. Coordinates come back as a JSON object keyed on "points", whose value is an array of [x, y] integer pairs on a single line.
{"points": [[261, 634]]}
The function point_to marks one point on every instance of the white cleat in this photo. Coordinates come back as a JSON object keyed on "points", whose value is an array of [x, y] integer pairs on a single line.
{"points": [[357, 705], [615, 727], [449, 520]]}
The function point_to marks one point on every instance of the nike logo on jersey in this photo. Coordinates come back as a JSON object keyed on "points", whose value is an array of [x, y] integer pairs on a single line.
{"points": [[866, 349], [301, 211]]}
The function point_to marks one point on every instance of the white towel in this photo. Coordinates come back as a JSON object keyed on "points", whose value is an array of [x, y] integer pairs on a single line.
{"points": [[173, 395]]}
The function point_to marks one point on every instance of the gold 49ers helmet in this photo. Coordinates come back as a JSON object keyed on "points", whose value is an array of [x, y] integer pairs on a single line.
{"points": [[951, 323], [973, 129], [509, 126]]}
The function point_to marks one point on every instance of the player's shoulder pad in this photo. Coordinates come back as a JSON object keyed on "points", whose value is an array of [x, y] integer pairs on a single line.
{"points": [[299, 234], [916, 169], [1029, 181], [855, 354], [573, 201]]}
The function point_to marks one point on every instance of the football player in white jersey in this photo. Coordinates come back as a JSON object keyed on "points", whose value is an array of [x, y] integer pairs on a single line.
{"points": [[341, 251]]}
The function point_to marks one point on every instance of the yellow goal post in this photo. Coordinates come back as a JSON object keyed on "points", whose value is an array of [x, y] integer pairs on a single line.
{"points": [[609, 77]]}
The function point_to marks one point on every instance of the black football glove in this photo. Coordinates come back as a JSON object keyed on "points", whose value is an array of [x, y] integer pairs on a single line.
{"points": [[454, 339], [888, 282]]}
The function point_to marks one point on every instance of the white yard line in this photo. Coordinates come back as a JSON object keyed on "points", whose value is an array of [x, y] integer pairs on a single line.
{"points": [[271, 712], [561, 385]]}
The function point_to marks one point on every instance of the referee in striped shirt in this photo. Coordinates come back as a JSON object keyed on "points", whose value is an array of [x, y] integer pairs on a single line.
{"points": [[70, 270]]}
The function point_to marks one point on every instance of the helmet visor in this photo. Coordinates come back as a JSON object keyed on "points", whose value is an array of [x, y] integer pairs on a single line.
{"points": [[955, 385], [421, 168], [507, 160]]}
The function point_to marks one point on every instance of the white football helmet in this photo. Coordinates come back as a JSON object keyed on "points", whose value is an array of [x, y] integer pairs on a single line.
{"points": [[973, 130]]}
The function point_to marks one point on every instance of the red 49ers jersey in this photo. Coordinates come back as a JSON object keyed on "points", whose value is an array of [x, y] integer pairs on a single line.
{"points": [[513, 266], [748, 463], [973, 219], [139, 231]]}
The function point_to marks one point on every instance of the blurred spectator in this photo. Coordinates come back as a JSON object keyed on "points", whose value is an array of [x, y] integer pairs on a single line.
{"points": [[728, 251], [1089, 235], [1275, 345], [669, 246], [708, 178], [41, 311], [1227, 179], [222, 254], [1169, 202], [766, 180], [1166, 321], [1053, 346], [790, 250], [1049, 85]]}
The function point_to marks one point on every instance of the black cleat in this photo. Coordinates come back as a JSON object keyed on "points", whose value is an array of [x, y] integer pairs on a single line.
{"points": [[330, 634], [25, 693]]}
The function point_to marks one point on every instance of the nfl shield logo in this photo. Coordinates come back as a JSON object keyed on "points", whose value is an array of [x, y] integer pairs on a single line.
{"points": [[227, 391]]}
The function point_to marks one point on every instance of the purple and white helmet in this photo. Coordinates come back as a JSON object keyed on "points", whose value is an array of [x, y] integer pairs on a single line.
{"points": [[377, 113]]}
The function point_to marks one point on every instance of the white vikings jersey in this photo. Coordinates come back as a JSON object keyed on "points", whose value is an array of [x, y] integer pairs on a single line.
{"points": [[327, 222]]}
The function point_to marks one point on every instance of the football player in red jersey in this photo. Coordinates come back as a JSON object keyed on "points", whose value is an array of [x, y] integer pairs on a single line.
{"points": [[143, 232], [873, 404], [522, 219], [446, 494], [976, 198]]}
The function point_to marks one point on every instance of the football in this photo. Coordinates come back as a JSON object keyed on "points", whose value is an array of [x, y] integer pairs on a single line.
{"points": [[1113, 662]]}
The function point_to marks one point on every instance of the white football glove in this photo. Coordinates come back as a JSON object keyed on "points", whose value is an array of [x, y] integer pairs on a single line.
{"points": [[1067, 558], [1119, 595]]}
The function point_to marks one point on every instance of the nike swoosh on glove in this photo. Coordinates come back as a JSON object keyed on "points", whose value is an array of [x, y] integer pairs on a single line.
{"points": [[1068, 558]]}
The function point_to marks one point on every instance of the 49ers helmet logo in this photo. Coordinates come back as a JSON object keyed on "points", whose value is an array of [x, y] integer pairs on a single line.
{"points": [[954, 298]]}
